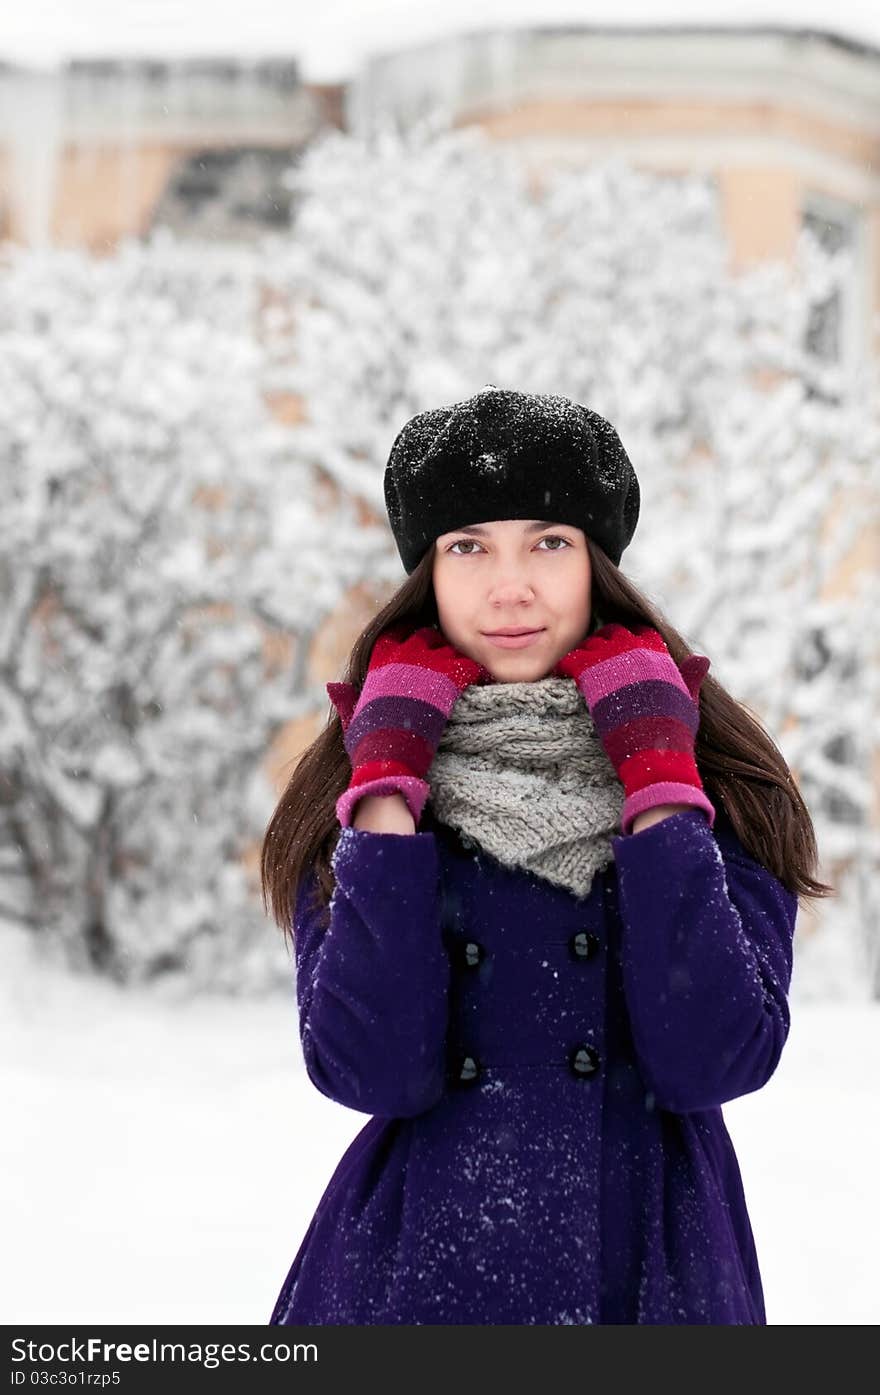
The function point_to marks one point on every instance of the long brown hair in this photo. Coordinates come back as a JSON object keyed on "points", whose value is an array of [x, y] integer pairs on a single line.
{"points": [[743, 771]]}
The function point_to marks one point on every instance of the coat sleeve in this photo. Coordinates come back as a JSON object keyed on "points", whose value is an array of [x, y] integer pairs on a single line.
{"points": [[706, 958], [372, 988]]}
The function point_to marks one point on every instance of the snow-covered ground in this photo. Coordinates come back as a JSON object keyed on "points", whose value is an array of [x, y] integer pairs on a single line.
{"points": [[161, 1161]]}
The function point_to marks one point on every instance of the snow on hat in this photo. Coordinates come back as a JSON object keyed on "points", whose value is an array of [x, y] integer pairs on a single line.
{"points": [[503, 454]]}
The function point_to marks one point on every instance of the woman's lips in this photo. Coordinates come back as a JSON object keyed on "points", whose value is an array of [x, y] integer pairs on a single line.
{"points": [[514, 641]]}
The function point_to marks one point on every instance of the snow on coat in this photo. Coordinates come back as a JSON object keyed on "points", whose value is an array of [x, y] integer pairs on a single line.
{"points": [[546, 1074]]}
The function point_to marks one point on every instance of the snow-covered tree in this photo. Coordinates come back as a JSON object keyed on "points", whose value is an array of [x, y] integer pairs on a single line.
{"points": [[155, 541]]}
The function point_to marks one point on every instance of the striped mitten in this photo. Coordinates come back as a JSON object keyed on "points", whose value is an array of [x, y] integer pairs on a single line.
{"points": [[393, 727], [646, 712]]}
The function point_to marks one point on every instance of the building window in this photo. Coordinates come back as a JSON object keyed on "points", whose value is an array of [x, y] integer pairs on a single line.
{"points": [[835, 339]]}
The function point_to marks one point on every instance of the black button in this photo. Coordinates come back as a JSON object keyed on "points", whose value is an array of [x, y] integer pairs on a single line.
{"points": [[467, 1070], [472, 954], [583, 945], [584, 1060]]}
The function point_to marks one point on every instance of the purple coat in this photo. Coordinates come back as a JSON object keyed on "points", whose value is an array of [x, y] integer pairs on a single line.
{"points": [[546, 1073]]}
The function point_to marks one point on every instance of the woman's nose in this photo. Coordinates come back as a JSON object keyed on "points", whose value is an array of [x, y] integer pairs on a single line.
{"points": [[507, 592]]}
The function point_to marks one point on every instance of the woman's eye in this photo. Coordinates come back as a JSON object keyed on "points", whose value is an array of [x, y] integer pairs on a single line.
{"points": [[549, 537]]}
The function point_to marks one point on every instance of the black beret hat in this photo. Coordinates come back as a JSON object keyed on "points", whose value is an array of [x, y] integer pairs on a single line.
{"points": [[503, 454]]}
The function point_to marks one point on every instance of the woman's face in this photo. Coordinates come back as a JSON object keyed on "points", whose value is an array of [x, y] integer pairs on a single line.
{"points": [[513, 574]]}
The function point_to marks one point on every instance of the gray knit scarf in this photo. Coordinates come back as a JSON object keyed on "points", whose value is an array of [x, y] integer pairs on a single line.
{"points": [[521, 772]]}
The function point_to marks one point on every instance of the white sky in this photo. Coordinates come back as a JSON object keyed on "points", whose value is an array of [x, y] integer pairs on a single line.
{"points": [[330, 39]]}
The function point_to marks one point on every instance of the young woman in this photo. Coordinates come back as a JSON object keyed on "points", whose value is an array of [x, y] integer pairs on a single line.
{"points": [[542, 890]]}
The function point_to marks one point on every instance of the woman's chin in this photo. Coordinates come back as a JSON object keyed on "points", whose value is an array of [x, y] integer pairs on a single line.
{"points": [[517, 672]]}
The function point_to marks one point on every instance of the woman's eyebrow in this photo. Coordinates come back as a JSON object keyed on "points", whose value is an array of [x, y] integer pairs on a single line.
{"points": [[532, 528]]}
